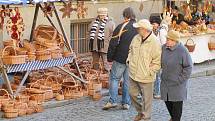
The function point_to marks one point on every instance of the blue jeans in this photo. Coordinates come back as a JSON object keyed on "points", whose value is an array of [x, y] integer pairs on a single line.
{"points": [[118, 71], [157, 83]]}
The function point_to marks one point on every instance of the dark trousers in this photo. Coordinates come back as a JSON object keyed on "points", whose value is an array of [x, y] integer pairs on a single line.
{"points": [[175, 109]]}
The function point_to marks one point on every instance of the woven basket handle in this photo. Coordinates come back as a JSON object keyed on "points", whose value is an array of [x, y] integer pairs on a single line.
{"points": [[3, 51], [8, 95], [189, 40], [36, 82], [55, 78]]}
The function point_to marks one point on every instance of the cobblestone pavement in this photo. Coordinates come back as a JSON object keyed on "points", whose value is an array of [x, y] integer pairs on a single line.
{"points": [[199, 107]]}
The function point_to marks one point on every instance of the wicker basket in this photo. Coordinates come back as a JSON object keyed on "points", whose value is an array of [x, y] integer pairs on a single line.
{"points": [[60, 96], [13, 59], [67, 54], [190, 47], [77, 93], [21, 51], [11, 42], [211, 43], [4, 98], [29, 46], [67, 93], [47, 32], [69, 83], [52, 81], [40, 98], [23, 98], [11, 113], [97, 96], [8, 105]]}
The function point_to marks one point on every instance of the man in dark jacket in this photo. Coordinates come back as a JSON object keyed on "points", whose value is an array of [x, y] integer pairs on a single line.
{"points": [[118, 53], [177, 17]]}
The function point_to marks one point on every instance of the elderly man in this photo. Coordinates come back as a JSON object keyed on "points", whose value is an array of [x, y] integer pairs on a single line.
{"points": [[100, 33], [144, 61]]}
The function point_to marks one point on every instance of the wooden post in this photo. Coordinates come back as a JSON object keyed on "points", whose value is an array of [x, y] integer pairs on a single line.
{"points": [[34, 21], [61, 27], [49, 19]]}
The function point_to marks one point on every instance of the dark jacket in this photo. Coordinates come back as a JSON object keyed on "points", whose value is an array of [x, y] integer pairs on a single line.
{"points": [[176, 65], [118, 50], [178, 19]]}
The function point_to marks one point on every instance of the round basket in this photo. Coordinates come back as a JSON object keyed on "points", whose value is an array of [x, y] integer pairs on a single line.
{"points": [[13, 59], [47, 32], [190, 46]]}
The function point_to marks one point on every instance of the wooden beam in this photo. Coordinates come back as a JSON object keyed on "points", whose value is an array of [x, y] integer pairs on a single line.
{"points": [[34, 21], [62, 30]]}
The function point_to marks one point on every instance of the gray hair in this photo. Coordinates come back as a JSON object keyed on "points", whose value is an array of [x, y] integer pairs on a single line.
{"points": [[129, 13]]}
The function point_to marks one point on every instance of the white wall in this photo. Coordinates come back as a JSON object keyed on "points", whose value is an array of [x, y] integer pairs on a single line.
{"points": [[115, 11]]}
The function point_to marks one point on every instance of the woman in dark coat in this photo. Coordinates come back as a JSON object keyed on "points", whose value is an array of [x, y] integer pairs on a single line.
{"points": [[176, 66]]}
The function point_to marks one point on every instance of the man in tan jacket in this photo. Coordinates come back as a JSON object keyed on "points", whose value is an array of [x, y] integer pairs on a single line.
{"points": [[144, 61]]}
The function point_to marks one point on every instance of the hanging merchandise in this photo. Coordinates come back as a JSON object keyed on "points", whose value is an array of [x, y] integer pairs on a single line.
{"points": [[81, 9], [5, 11], [48, 9], [15, 25], [67, 9], [187, 12], [141, 6]]}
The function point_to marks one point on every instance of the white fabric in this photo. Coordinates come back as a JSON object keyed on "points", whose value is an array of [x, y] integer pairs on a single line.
{"points": [[201, 52], [162, 33]]}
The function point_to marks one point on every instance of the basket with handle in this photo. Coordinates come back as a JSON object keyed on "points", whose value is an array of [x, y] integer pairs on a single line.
{"points": [[45, 31], [13, 59], [11, 42], [211, 43], [190, 47], [53, 82], [69, 83], [4, 98]]}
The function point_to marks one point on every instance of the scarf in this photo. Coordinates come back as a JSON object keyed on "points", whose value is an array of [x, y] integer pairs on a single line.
{"points": [[100, 34]]}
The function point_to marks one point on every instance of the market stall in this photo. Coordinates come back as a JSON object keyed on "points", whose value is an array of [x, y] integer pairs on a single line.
{"points": [[201, 52], [49, 68]]}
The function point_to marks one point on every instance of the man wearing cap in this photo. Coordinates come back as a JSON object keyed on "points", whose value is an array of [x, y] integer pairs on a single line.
{"points": [[100, 33], [143, 61], [176, 66]]}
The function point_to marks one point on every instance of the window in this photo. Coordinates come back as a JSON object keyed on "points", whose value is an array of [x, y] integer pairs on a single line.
{"points": [[79, 40]]}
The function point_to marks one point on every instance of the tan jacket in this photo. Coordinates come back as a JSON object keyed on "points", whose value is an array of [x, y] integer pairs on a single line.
{"points": [[144, 59], [109, 28]]}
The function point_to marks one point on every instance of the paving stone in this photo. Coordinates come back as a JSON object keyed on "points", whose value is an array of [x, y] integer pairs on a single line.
{"points": [[199, 107]]}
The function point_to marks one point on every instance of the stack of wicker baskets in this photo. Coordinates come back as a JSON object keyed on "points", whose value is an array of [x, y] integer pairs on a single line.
{"points": [[12, 58]]}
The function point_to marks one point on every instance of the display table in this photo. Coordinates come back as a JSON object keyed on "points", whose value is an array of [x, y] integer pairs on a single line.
{"points": [[201, 52], [35, 65]]}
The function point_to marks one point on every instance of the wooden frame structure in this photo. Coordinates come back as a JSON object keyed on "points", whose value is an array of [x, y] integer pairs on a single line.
{"points": [[3, 68]]}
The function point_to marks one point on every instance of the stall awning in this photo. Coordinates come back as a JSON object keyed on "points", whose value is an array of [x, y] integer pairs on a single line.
{"points": [[6, 2]]}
